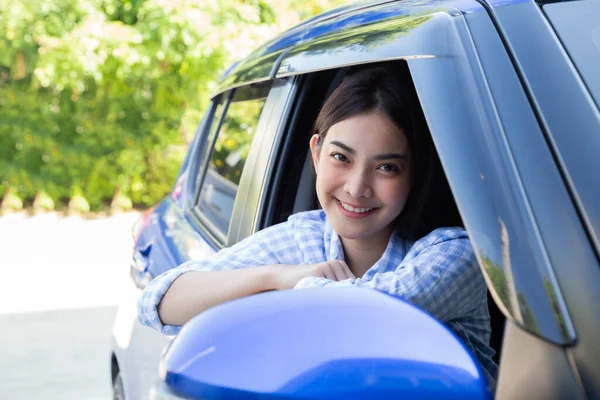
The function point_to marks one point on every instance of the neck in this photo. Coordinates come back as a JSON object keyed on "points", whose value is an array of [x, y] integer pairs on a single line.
{"points": [[362, 254]]}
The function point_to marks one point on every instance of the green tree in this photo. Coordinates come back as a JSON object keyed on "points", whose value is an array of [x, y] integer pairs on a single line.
{"points": [[104, 95]]}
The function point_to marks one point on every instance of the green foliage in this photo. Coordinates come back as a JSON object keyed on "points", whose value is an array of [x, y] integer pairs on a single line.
{"points": [[501, 287], [78, 202], [43, 202], [527, 314], [499, 282], [234, 140], [121, 202], [556, 308], [99, 97], [12, 202], [125, 11]]}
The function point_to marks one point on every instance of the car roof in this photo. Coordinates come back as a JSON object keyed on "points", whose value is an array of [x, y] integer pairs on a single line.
{"points": [[266, 61]]}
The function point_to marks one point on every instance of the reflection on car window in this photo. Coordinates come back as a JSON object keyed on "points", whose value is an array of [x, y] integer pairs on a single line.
{"points": [[229, 155], [205, 148]]}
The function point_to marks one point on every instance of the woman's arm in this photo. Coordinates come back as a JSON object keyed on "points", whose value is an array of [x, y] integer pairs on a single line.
{"points": [[188, 295], [196, 291], [274, 258], [444, 279]]}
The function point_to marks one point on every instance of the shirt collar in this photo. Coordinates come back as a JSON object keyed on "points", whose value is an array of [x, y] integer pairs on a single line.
{"points": [[390, 259], [333, 244]]}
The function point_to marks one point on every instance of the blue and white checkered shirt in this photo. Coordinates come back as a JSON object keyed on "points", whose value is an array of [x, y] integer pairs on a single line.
{"points": [[438, 273]]}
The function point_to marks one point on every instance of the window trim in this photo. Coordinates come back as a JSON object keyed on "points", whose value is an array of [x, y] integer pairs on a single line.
{"points": [[474, 145], [208, 227], [283, 150], [197, 173], [195, 161], [205, 157], [258, 173]]}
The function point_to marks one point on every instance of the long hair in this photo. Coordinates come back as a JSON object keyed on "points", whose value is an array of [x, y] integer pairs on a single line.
{"points": [[388, 88]]}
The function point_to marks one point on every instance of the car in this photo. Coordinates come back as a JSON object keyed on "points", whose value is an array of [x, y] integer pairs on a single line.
{"points": [[511, 92]]}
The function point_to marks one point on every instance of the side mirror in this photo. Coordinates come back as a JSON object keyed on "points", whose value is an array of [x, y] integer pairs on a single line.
{"points": [[323, 343]]}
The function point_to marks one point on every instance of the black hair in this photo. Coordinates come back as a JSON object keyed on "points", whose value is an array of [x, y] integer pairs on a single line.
{"points": [[388, 88]]}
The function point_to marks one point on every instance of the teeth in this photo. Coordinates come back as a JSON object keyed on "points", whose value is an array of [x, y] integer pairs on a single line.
{"points": [[355, 210]]}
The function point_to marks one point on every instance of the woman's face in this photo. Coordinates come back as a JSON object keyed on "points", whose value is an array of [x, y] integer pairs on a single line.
{"points": [[363, 175]]}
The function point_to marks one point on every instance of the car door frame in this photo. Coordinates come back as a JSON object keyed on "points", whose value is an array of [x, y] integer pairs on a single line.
{"points": [[245, 187], [259, 168], [423, 51], [514, 222], [511, 183], [570, 120]]}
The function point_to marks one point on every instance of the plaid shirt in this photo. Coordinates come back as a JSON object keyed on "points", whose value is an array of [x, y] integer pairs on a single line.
{"points": [[439, 273]]}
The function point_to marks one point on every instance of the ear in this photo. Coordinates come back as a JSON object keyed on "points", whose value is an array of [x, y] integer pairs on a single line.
{"points": [[315, 151]]}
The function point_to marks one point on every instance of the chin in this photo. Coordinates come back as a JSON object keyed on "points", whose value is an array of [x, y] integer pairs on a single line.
{"points": [[351, 233]]}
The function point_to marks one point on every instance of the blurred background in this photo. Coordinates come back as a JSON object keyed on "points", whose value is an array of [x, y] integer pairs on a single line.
{"points": [[99, 100]]}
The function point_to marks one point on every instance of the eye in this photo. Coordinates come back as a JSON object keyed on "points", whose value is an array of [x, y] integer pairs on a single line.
{"points": [[389, 168], [339, 157]]}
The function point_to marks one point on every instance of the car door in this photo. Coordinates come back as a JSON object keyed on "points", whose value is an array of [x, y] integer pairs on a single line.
{"points": [[556, 48], [161, 237], [135, 347], [194, 221], [515, 201], [510, 189]]}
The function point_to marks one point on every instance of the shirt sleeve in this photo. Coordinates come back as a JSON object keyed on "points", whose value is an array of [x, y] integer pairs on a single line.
{"points": [[273, 245], [444, 279]]}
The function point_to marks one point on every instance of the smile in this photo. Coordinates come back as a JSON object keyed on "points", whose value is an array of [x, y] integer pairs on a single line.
{"points": [[355, 209]]}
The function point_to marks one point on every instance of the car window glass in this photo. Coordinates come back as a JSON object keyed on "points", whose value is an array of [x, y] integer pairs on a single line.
{"points": [[228, 156], [206, 139]]}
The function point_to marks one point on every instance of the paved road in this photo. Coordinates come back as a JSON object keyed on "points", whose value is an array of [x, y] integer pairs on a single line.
{"points": [[61, 279]]}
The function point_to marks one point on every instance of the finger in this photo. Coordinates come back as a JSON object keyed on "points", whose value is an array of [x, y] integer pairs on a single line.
{"points": [[343, 271], [347, 271], [337, 270], [328, 272], [325, 271]]}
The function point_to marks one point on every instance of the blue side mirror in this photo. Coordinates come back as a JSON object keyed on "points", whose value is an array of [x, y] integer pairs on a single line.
{"points": [[320, 344]]}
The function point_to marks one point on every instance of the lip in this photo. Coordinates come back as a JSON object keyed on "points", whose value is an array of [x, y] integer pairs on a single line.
{"points": [[354, 215], [354, 205]]}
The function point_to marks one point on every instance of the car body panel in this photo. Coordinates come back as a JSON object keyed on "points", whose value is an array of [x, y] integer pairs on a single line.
{"points": [[578, 28], [555, 380], [547, 70], [136, 347], [257, 66], [570, 121], [537, 181], [344, 20], [472, 147]]}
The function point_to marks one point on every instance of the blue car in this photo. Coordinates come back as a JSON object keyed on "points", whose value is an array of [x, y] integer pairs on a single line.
{"points": [[511, 92]]}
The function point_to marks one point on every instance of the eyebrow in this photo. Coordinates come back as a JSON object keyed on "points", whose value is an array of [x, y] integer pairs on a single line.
{"points": [[378, 157]]}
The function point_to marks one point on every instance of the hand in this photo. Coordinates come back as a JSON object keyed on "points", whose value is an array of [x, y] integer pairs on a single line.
{"points": [[287, 276]]}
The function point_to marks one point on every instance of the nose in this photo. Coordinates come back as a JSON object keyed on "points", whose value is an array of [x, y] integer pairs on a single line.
{"points": [[358, 185]]}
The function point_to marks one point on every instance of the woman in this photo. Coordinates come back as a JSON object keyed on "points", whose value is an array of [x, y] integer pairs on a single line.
{"points": [[388, 222]]}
